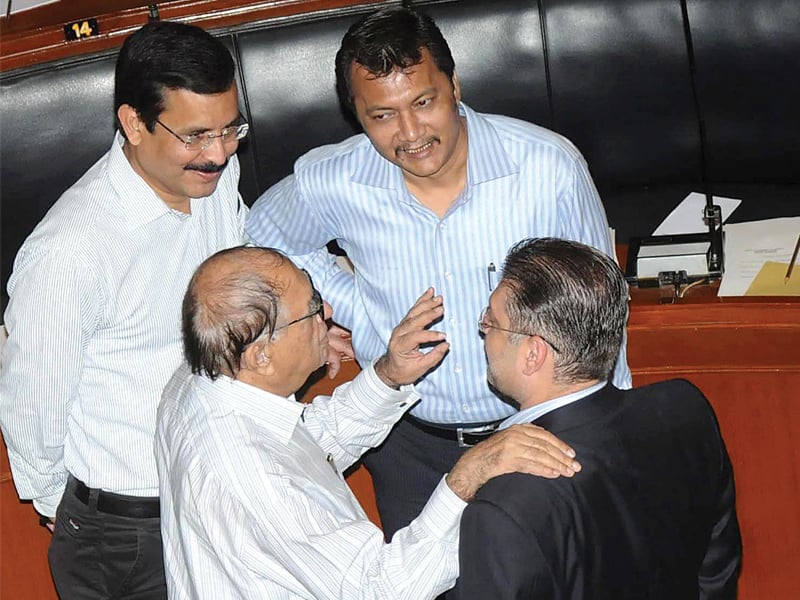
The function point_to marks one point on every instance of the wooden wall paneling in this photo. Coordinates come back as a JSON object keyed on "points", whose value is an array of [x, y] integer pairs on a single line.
{"points": [[744, 354], [25, 43], [759, 415], [24, 572]]}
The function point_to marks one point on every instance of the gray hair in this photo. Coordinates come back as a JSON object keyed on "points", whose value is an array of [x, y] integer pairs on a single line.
{"points": [[225, 312], [573, 296]]}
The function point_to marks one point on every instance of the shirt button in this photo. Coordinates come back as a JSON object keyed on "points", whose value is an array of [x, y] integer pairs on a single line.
{"points": [[465, 407], [441, 226], [457, 369], [453, 322], [447, 274]]}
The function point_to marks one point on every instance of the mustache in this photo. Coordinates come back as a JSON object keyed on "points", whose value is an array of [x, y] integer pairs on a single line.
{"points": [[405, 147], [208, 167]]}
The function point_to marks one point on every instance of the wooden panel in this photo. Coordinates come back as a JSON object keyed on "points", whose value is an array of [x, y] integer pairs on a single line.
{"points": [[744, 354], [24, 572], [25, 43], [759, 414]]}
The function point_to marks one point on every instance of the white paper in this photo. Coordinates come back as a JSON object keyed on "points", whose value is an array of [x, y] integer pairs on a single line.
{"points": [[687, 217], [749, 245]]}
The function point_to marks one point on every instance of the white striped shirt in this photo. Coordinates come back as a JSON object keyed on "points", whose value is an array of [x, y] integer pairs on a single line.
{"points": [[522, 181], [254, 505], [94, 327]]}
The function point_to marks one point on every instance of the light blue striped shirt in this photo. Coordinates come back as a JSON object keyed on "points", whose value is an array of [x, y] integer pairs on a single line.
{"points": [[522, 181], [94, 327]]}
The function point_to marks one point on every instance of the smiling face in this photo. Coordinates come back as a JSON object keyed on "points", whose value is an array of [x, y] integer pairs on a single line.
{"points": [[411, 117], [175, 173]]}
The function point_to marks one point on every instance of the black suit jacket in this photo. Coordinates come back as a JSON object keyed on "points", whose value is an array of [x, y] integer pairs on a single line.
{"points": [[651, 514]]}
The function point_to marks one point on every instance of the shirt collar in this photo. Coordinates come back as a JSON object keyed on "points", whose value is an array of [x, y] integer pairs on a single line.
{"points": [[139, 202], [278, 414], [529, 415], [487, 159]]}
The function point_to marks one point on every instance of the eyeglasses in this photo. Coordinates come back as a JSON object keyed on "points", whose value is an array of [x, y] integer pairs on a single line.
{"points": [[319, 309], [197, 142], [484, 325]]}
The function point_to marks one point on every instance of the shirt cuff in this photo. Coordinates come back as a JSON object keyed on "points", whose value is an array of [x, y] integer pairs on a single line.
{"points": [[47, 505], [442, 513], [370, 395]]}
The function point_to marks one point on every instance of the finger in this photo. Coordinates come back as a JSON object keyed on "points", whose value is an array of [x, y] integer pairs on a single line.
{"points": [[334, 362], [333, 370], [423, 303], [435, 356], [525, 458], [419, 321], [551, 455], [540, 461], [530, 453], [410, 342], [539, 433]]}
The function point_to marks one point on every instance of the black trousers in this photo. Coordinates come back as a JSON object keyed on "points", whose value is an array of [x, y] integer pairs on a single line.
{"points": [[95, 555], [405, 470]]}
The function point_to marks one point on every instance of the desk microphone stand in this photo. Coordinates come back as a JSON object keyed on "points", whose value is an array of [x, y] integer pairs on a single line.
{"points": [[712, 214]]}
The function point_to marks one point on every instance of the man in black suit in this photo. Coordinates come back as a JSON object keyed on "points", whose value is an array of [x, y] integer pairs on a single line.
{"points": [[652, 513]]}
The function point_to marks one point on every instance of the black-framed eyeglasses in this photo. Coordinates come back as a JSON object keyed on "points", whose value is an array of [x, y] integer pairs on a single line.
{"points": [[484, 325], [318, 309], [197, 142]]}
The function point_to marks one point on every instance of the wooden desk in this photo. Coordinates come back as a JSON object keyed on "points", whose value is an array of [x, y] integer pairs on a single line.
{"points": [[744, 354]]}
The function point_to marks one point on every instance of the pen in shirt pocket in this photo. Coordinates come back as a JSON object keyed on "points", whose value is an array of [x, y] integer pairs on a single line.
{"points": [[491, 276]]}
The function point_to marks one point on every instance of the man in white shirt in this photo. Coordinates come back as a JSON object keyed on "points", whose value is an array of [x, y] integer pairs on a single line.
{"points": [[254, 503], [94, 314]]}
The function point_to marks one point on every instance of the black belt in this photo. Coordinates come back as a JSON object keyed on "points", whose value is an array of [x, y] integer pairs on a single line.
{"points": [[119, 505], [465, 436]]}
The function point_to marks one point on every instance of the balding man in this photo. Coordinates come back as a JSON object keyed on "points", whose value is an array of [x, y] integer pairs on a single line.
{"points": [[254, 504]]}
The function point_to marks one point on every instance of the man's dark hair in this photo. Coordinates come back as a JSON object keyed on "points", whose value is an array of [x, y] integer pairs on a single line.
{"points": [[573, 296], [389, 39], [168, 55], [224, 316]]}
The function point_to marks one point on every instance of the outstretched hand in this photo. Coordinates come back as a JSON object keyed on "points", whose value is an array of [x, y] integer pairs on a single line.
{"points": [[520, 448], [404, 362]]}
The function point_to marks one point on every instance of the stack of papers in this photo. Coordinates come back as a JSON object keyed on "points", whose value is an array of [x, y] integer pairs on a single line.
{"points": [[757, 256]]}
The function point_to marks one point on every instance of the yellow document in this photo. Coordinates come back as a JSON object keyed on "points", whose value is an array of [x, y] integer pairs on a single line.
{"points": [[771, 281]]}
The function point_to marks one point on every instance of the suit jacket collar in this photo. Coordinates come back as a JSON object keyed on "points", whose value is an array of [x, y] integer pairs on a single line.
{"points": [[591, 409]]}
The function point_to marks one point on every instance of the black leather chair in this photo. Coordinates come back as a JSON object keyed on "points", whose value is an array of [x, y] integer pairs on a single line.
{"points": [[628, 81]]}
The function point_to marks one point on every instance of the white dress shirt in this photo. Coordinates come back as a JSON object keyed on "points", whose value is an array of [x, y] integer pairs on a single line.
{"points": [[254, 504], [522, 181], [94, 327]]}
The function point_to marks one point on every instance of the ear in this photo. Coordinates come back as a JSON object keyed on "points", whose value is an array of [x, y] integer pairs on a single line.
{"points": [[133, 126], [535, 352], [456, 87], [256, 357]]}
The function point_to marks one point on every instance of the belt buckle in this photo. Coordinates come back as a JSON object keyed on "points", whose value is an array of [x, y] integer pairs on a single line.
{"points": [[471, 431]]}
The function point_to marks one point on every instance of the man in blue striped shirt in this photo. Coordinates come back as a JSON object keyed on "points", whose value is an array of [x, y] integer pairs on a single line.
{"points": [[432, 195]]}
